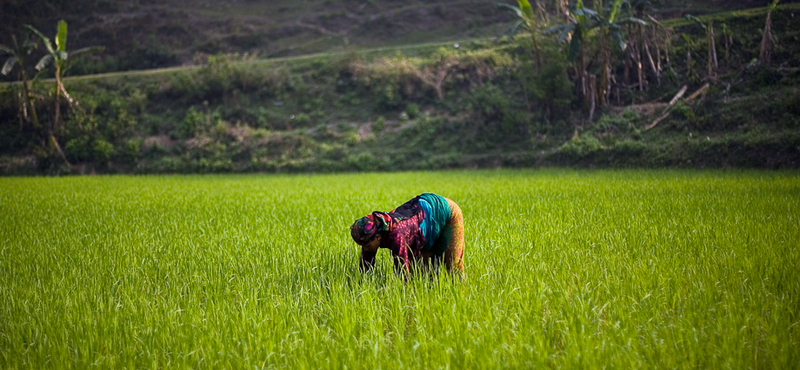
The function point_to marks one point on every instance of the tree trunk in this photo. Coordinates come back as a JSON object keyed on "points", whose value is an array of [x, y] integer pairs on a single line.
{"points": [[29, 105], [728, 51], [639, 68], [23, 111], [542, 11], [605, 76], [564, 7], [536, 49], [667, 46], [57, 147], [57, 107], [650, 59], [658, 54], [626, 75], [767, 42], [712, 51], [57, 118], [582, 72], [592, 96]]}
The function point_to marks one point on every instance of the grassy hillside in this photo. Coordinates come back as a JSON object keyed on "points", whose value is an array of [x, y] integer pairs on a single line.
{"points": [[176, 31], [383, 110], [144, 34]]}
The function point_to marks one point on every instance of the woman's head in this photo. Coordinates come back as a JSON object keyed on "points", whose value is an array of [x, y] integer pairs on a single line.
{"points": [[368, 228]]}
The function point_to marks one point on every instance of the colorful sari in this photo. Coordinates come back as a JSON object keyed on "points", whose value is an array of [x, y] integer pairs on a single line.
{"points": [[426, 230]]}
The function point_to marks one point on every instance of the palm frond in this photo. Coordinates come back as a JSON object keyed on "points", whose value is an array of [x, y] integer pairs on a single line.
{"points": [[9, 65], [614, 11], [585, 12], [525, 7], [576, 44], [616, 35], [45, 39], [632, 20], [511, 31], [61, 37], [560, 29], [514, 9], [90, 49], [44, 62], [696, 20], [6, 49]]}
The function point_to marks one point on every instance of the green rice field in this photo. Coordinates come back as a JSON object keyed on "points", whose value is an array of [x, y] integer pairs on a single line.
{"points": [[564, 269]]}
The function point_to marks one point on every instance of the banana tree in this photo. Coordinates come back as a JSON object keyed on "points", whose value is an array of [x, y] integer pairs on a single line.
{"points": [[643, 41], [17, 54], [528, 21], [713, 63], [768, 40], [727, 37], [59, 57], [621, 16], [577, 33]]}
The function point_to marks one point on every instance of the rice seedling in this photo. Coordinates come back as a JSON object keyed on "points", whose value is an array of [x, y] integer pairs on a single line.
{"points": [[579, 269]]}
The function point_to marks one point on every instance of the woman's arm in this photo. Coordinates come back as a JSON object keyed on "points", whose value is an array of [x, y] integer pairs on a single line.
{"points": [[367, 260]]}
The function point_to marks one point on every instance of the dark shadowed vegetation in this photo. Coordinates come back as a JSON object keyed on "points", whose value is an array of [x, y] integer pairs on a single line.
{"points": [[600, 84]]}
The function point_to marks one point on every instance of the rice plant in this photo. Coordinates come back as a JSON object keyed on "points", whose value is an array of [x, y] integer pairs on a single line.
{"points": [[572, 269]]}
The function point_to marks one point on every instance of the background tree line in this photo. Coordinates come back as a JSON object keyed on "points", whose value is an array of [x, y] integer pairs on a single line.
{"points": [[547, 91]]}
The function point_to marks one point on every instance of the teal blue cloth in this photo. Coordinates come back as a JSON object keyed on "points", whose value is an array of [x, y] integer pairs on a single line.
{"points": [[437, 214]]}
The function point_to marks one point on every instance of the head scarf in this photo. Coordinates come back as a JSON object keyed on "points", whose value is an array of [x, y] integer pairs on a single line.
{"points": [[365, 228]]}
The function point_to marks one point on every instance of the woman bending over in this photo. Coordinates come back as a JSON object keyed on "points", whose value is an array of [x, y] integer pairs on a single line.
{"points": [[426, 230]]}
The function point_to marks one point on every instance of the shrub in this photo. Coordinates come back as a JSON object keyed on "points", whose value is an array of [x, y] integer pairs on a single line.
{"points": [[551, 86], [78, 149], [221, 128], [412, 110], [581, 146], [497, 112], [628, 147], [302, 118], [133, 149], [379, 124], [102, 150], [364, 161], [683, 111]]}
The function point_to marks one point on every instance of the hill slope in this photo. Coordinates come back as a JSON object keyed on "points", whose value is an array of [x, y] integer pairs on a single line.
{"points": [[489, 106], [144, 34]]}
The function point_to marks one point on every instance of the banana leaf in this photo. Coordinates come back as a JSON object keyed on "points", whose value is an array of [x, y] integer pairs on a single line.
{"points": [[563, 31], [9, 65], [614, 11], [61, 37], [514, 9], [45, 40], [631, 20], [511, 31], [525, 7], [576, 44], [616, 35], [90, 49], [44, 62]]}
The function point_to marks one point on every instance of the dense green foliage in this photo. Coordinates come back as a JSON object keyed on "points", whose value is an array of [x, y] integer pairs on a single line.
{"points": [[177, 30], [477, 103], [622, 269]]}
